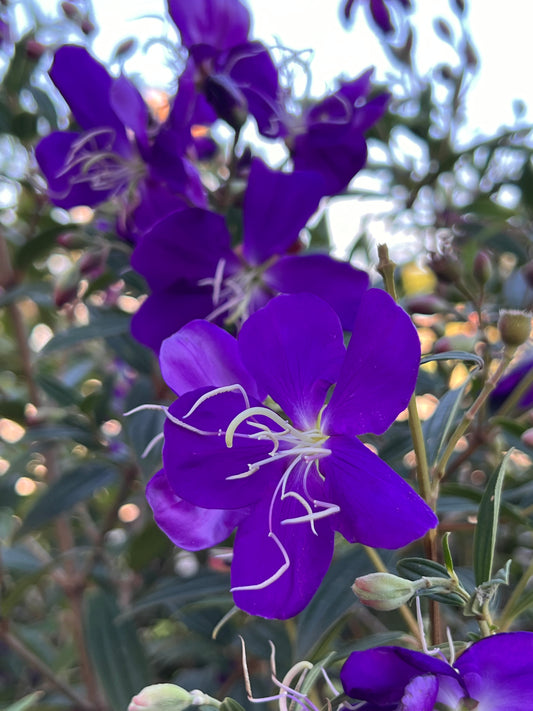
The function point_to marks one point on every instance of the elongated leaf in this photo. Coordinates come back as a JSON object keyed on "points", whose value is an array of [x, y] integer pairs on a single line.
{"points": [[441, 423], [487, 524], [74, 486], [57, 390], [522, 604], [28, 702], [115, 650], [464, 356], [112, 324], [415, 568]]}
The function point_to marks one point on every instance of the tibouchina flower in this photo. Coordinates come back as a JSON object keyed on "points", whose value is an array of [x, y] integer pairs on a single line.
{"points": [[491, 675], [115, 154], [193, 272], [290, 475], [510, 382]]}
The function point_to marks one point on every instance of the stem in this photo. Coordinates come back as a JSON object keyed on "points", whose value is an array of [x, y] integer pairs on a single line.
{"points": [[36, 662], [404, 611]]}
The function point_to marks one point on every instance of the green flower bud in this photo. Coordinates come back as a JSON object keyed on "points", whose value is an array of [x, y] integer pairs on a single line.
{"points": [[384, 591], [161, 697], [515, 327], [482, 267]]}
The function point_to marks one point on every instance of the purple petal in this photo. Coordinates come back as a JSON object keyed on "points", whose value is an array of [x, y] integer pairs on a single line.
{"points": [[509, 382], [276, 207], [187, 244], [338, 283], [202, 354], [219, 23], [188, 526], [378, 508], [379, 373], [199, 466], [165, 312], [262, 549], [85, 86], [129, 106], [420, 694], [294, 348], [380, 675], [63, 189], [497, 671]]}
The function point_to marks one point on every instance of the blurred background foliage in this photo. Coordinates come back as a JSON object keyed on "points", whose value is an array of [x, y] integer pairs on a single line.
{"points": [[95, 601]]}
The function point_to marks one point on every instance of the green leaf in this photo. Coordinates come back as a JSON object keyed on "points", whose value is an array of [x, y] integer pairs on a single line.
{"points": [[319, 235], [487, 524], [58, 391], [448, 560], [109, 324], [46, 106], [28, 702], [115, 650], [40, 293], [464, 356], [415, 568], [438, 427], [521, 605], [39, 246], [77, 485]]}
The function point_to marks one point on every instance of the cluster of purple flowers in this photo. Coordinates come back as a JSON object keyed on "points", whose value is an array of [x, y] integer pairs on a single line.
{"points": [[239, 318]]}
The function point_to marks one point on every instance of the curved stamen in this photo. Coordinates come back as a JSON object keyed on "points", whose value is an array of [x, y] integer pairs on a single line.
{"points": [[219, 391], [252, 412], [276, 576]]}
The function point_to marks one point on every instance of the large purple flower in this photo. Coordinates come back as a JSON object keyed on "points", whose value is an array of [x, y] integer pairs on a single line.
{"points": [[115, 154], [491, 675], [292, 474], [236, 75], [193, 272]]}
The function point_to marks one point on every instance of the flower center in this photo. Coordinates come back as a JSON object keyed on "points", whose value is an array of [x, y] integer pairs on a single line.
{"points": [[233, 294], [95, 162]]}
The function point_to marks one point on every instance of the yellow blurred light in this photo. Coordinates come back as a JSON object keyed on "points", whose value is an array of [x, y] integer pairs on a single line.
{"points": [[417, 279], [25, 486], [129, 304], [4, 466], [81, 214], [128, 513], [111, 428], [458, 376], [11, 431], [199, 131]]}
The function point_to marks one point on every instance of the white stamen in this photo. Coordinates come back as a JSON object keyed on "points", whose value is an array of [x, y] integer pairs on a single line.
{"points": [[276, 576], [218, 391]]}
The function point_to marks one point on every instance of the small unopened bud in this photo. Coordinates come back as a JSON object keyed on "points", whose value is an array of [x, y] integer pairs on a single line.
{"points": [[384, 591], [86, 26], [161, 697], [92, 263], [527, 437], [459, 342], [482, 267], [34, 49], [70, 10], [443, 29], [71, 240], [446, 267], [514, 327], [66, 287], [125, 48]]}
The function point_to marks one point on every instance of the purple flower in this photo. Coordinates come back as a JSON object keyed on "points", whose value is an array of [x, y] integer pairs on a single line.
{"points": [[510, 382], [115, 153], [236, 76], [193, 272], [291, 475], [329, 136], [379, 11], [491, 675]]}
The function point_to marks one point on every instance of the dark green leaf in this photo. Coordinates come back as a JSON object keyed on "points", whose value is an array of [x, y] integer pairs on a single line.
{"points": [[487, 524], [115, 650], [38, 246], [109, 324], [40, 293], [77, 485], [415, 568], [46, 106], [464, 356], [58, 391]]}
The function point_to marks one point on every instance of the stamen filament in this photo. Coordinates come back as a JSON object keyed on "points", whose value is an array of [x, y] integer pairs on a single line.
{"points": [[273, 578], [218, 391]]}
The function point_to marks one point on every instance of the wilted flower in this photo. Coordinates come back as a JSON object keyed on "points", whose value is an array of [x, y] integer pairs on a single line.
{"points": [[288, 481]]}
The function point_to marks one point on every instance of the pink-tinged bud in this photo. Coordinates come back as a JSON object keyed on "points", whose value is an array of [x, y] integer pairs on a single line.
{"points": [[384, 591], [126, 47], [527, 272], [527, 437], [426, 304], [92, 263], [66, 287], [86, 26], [70, 10], [446, 267], [161, 697], [482, 267], [514, 327], [71, 240], [34, 49]]}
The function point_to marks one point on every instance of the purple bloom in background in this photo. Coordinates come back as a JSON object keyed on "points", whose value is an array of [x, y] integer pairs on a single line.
{"points": [[329, 136], [287, 481], [379, 11], [193, 272], [491, 675], [236, 75], [114, 154], [510, 382]]}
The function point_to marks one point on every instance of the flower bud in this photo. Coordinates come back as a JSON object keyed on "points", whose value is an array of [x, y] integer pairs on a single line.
{"points": [[34, 49], [87, 27], [459, 342], [161, 697], [384, 591], [515, 327], [66, 287], [527, 273], [446, 267], [70, 10], [92, 263], [527, 437], [426, 304], [482, 267]]}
